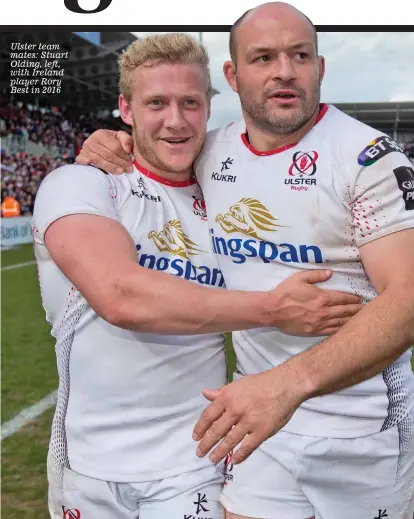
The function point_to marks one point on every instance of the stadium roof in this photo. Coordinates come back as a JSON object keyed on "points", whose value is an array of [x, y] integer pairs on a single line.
{"points": [[386, 117]]}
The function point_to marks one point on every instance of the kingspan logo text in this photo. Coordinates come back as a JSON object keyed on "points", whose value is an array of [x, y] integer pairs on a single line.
{"points": [[182, 268], [240, 249]]}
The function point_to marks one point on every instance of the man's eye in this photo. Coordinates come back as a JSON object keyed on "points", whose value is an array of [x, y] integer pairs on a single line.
{"points": [[302, 55], [263, 58]]}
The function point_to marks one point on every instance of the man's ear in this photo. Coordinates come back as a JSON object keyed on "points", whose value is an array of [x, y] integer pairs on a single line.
{"points": [[321, 63], [229, 70], [125, 110]]}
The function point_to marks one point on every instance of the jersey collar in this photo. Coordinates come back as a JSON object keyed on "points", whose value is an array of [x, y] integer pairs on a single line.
{"points": [[322, 111], [164, 181]]}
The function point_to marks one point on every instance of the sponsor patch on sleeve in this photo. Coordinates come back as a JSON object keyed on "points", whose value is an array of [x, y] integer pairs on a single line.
{"points": [[377, 149], [405, 179]]}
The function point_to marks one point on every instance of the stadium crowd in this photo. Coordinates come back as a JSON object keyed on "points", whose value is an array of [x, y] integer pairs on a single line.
{"points": [[21, 176], [59, 134], [56, 129]]}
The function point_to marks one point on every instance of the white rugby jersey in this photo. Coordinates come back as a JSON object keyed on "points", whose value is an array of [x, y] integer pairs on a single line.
{"points": [[310, 205], [128, 401]]}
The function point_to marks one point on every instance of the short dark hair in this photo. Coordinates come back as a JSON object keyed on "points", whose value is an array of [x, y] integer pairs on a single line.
{"points": [[232, 39]]}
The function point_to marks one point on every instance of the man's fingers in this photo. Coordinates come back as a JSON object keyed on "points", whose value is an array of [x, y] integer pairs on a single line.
{"points": [[343, 311], [110, 155], [249, 444], [207, 418], [233, 437], [334, 325], [337, 317], [101, 162], [342, 298], [83, 159], [217, 431], [315, 276], [108, 140], [126, 141], [211, 394]]}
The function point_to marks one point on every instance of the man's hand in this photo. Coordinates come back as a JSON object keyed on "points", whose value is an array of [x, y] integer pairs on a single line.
{"points": [[304, 309], [108, 150], [252, 409], [248, 410]]}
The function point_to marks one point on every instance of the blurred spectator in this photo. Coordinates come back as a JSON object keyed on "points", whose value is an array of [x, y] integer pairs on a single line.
{"points": [[10, 207], [55, 129], [21, 175], [61, 135]]}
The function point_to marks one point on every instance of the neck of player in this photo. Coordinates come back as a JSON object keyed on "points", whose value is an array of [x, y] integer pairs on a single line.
{"points": [[172, 176], [263, 140]]}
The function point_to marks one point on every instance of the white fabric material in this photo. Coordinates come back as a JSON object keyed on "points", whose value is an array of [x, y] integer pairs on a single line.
{"points": [[298, 477], [310, 206], [127, 401], [191, 495]]}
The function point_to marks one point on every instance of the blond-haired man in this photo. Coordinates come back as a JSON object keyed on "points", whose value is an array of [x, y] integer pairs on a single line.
{"points": [[136, 346]]}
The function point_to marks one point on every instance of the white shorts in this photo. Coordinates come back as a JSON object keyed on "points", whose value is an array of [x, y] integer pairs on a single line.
{"points": [[193, 495], [297, 477]]}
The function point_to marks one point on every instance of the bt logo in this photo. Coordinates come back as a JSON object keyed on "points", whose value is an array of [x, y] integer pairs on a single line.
{"points": [[73, 5]]}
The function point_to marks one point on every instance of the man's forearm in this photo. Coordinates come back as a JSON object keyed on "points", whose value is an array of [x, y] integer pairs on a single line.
{"points": [[370, 342], [98, 256], [154, 302]]}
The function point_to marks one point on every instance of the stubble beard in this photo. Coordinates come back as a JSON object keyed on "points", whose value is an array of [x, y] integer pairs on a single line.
{"points": [[274, 124]]}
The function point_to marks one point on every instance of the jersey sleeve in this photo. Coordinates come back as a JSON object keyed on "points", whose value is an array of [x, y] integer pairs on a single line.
{"points": [[383, 196], [72, 189]]}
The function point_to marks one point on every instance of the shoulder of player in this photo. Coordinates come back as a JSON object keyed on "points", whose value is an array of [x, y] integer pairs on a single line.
{"points": [[353, 134], [72, 174], [223, 135], [357, 142]]}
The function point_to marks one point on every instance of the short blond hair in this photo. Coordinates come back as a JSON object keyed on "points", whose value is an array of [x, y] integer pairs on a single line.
{"points": [[157, 48]]}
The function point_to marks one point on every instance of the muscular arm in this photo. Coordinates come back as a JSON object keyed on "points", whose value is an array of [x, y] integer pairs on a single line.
{"points": [[375, 337], [255, 407], [98, 256]]}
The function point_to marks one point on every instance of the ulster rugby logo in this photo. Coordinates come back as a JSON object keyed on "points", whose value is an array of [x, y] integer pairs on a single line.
{"points": [[248, 216], [302, 168], [303, 163], [199, 207], [173, 239]]}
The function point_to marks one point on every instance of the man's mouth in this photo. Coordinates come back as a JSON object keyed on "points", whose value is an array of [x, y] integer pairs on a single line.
{"points": [[284, 94], [176, 140]]}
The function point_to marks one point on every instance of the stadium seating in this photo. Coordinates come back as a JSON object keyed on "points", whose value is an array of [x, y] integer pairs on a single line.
{"points": [[37, 140]]}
